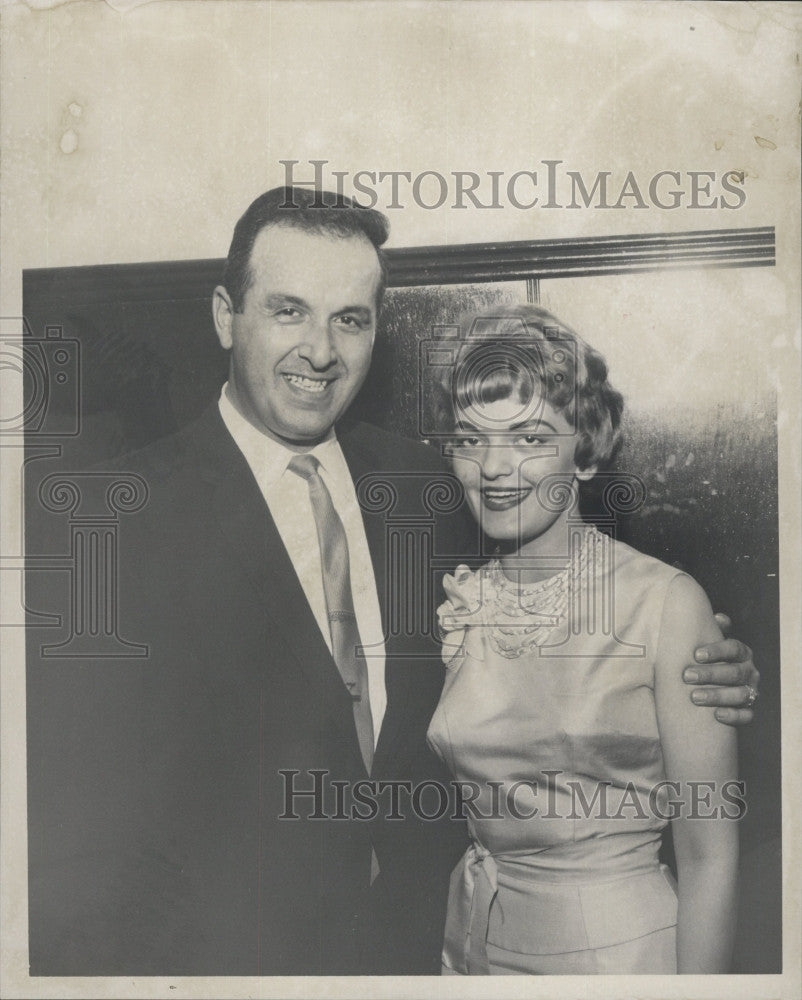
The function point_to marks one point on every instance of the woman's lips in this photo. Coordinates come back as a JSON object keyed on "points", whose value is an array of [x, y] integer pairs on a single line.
{"points": [[496, 498]]}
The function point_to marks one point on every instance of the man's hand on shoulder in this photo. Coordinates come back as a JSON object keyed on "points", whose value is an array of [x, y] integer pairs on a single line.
{"points": [[725, 678]]}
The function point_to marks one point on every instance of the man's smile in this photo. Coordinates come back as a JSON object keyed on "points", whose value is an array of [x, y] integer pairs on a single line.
{"points": [[307, 384]]}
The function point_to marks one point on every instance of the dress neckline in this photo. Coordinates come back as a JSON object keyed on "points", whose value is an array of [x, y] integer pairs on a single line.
{"points": [[522, 617]]}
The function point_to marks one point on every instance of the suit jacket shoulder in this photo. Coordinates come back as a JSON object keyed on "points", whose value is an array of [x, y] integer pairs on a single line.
{"points": [[389, 450]]}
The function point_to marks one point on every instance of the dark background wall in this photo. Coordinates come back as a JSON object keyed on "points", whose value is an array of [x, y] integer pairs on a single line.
{"points": [[700, 432]]}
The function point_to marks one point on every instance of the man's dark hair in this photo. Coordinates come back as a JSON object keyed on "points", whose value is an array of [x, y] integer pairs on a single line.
{"points": [[311, 210]]}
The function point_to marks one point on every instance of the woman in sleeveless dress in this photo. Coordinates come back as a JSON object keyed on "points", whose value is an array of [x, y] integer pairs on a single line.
{"points": [[563, 715]]}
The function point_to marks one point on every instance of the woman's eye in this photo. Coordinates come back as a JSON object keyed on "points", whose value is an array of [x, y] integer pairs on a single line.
{"points": [[531, 439]]}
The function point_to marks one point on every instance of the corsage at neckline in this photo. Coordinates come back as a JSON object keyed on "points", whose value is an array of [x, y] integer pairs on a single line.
{"points": [[516, 619]]}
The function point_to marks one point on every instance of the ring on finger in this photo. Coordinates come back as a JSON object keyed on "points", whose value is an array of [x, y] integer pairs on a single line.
{"points": [[752, 696]]}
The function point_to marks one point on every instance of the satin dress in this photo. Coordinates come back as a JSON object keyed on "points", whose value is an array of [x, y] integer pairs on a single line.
{"points": [[547, 719]]}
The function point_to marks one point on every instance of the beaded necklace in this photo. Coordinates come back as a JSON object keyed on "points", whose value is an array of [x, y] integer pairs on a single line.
{"points": [[543, 606]]}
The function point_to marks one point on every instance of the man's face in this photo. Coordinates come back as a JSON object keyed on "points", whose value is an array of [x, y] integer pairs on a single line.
{"points": [[301, 347]]}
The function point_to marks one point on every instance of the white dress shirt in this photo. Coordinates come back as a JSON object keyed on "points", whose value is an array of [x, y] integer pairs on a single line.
{"points": [[287, 497]]}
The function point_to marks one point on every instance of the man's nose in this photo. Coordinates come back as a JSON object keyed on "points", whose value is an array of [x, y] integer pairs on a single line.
{"points": [[317, 346], [497, 461]]}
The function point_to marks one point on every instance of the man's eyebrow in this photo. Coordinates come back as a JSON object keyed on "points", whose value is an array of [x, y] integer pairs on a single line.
{"points": [[362, 311], [276, 300], [279, 299]]}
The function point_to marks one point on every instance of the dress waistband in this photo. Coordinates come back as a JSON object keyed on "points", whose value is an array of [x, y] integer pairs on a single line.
{"points": [[536, 916]]}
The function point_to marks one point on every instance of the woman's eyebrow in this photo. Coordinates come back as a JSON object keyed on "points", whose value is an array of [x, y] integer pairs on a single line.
{"points": [[533, 425]]}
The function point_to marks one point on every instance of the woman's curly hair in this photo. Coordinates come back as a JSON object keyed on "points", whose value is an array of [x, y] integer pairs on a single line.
{"points": [[524, 352]]}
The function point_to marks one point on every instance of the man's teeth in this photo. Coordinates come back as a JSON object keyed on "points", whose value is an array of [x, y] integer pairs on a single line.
{"points": [[310, 384]]}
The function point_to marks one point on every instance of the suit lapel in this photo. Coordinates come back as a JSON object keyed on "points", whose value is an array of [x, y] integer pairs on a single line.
{"points": [[255, 543], [398, 677]]}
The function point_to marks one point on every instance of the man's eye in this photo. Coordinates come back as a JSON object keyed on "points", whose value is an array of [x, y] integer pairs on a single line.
{"points": [[467, 442], [350, 322], [287, 312]]}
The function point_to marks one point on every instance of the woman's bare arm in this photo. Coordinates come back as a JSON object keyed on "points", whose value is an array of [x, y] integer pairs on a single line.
{"points": [[700, 754]]}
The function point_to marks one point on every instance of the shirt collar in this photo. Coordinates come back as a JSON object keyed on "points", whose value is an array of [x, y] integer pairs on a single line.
{"points": [[268, 458]]}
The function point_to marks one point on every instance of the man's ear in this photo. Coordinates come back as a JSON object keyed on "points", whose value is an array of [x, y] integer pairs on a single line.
{"points": [[584, 475], [223, 316]]}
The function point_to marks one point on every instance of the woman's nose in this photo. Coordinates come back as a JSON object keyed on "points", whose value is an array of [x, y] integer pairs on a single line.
{"points": [[497, 462]]}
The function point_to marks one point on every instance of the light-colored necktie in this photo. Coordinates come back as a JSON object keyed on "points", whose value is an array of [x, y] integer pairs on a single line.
{"points": [[335, 564]]}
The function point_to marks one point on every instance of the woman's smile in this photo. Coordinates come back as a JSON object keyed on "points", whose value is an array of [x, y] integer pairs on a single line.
{"points": [[499, 498]]}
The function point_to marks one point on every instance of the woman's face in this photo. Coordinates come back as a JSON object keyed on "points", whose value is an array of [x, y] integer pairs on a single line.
{"points": [[501, 452]]}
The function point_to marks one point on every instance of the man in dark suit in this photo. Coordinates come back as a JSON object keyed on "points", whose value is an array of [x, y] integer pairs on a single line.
{"points": [[209, 810]]}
